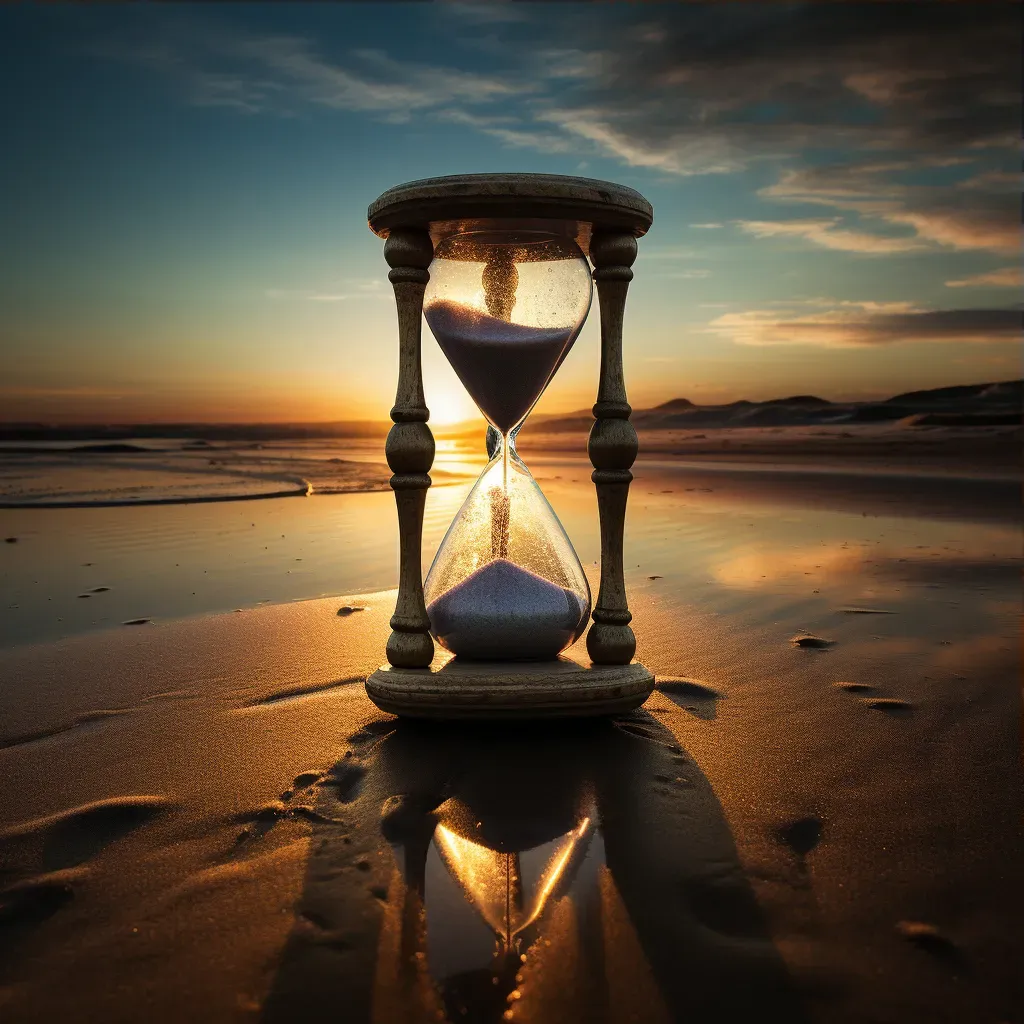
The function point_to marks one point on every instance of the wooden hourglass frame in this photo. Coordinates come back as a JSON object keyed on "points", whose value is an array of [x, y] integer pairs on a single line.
{"points": [[605, 220]]}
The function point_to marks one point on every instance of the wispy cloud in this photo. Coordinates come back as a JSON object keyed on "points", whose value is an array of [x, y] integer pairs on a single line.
{"points": [[283, 74], [676, 152], [980, 212], [1004, 277], [825, 232], [853, 324], [510, 130], [681, 90], [963, 225], [708, 227]]}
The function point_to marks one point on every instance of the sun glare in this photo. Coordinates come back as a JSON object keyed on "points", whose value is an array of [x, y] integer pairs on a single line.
{"points": [[448, 404]]}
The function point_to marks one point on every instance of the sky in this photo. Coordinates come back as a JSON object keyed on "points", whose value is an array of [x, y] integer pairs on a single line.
{"points": [[183, 196]]}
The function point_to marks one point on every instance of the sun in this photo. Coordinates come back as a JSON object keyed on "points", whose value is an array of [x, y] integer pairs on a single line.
{"points": [[448, 403]]}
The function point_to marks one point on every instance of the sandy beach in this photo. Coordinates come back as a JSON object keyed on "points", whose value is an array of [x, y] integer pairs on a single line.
{"points": [[697, 324], [204, 817]]}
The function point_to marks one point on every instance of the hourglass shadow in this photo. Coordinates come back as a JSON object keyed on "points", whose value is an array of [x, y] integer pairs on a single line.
{"points": [[359, 944]]}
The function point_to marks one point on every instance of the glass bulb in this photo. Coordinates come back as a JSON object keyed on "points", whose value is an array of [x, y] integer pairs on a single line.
{"points": [[506, 307]]}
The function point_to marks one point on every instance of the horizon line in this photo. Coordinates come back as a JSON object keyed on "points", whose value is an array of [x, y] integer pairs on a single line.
{"points": [[450, 427]]}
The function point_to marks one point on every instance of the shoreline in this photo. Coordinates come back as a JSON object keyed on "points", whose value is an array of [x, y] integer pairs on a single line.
{"points": [[777, 465]]}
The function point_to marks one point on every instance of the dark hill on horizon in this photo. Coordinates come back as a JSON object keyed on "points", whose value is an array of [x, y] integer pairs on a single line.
{"points": [[989, 404]]}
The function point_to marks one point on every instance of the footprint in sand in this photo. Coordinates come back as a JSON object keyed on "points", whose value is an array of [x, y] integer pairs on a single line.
{"points": [[72, 837], [802, 835], [817, 643], [697, 698], [28, 903], [51, 852], [347, 779], [929, 939], [372, 731]]}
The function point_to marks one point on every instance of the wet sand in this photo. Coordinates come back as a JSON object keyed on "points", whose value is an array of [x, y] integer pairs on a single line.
{"points": [[177, 473], [206, 819]]}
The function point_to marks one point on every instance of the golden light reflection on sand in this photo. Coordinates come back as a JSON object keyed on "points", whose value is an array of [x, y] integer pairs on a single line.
{"points": [[763, 565]]}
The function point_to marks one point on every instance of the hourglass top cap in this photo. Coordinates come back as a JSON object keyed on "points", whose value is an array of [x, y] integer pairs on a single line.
{"points": [[467, 202]]}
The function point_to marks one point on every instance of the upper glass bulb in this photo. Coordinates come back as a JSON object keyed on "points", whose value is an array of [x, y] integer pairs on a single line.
{"points": [[506, 307]]}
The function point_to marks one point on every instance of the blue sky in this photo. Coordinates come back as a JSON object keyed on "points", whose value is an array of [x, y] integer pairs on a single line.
{"points": [[183, 197]]}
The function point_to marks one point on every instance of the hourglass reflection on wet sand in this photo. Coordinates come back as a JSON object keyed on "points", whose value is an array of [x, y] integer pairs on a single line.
{"points": [[497, 264], [570, 871]]}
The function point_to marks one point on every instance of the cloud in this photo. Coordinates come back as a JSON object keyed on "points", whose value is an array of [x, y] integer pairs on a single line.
{"points": [[865, 324], [284, 74], [510, 131], [707, 227], [963, 225], [681, 152], [980, 212], [824, 232], [712, 89], [676, 89], [1005, 277]]}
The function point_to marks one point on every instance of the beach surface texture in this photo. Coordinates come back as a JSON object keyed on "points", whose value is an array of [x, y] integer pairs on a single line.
{"points": [[204, 818]]}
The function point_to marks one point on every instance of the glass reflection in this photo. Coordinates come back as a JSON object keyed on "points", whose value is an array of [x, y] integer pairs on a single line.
{"points": [[510, 890], [579, 873]]}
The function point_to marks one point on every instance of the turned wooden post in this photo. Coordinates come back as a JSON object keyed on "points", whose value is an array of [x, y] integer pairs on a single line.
{"points": [[612, 448], [410, 447]]}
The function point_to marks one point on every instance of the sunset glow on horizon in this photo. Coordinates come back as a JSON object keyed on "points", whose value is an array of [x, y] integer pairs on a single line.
{"points": [[835, 189]]}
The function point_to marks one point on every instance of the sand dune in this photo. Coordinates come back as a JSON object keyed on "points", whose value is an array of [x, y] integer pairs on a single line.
{"points": [[991, 404]]}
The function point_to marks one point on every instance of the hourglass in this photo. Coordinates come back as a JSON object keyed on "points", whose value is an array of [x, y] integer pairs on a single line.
{"points": [[497, 265]]}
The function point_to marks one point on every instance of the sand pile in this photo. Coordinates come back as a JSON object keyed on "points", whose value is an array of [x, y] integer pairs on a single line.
{"points": [[504, 366], [504, 611]]}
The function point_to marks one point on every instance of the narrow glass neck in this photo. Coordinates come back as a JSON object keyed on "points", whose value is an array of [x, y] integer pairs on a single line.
{"points": [[496, 442]]}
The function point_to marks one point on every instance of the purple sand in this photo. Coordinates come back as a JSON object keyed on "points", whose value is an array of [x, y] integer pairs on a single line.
{"points": [[504, 612], [503, 366]]}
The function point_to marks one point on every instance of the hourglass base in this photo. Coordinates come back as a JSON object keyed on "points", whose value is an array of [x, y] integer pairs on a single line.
{"points": [[510, 690]]}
